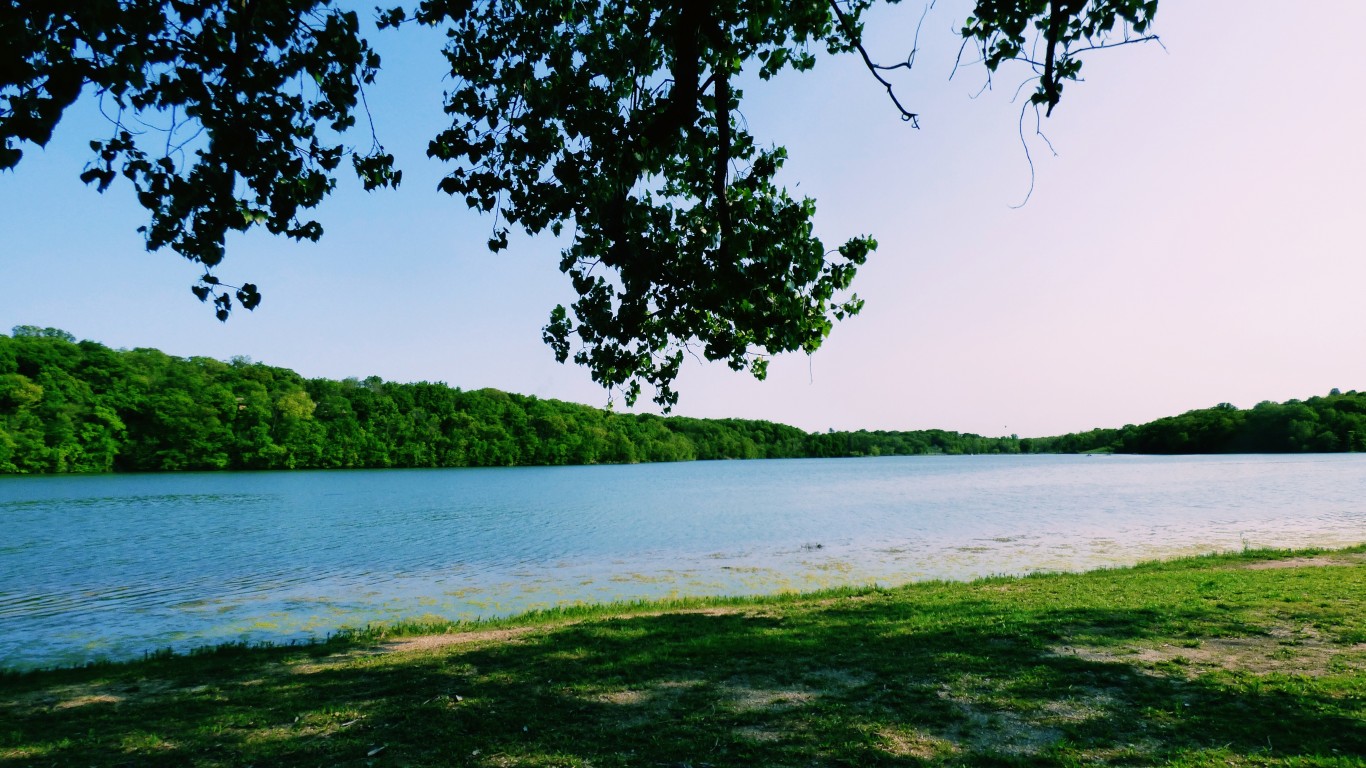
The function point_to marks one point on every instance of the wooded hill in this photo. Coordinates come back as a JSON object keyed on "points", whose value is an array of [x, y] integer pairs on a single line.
{"points": [[1330, 424], [68, 406]]}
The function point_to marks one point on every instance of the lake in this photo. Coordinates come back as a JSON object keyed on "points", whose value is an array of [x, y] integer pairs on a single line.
{"points": [[114, 566]]}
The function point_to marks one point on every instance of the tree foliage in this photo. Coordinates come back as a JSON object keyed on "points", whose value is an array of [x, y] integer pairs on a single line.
{"points": [[617, 121], [1327, 424], [1013, 30], [249, 95]]}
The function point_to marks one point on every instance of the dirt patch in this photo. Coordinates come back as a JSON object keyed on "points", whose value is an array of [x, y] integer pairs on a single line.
{"points": [[623, 698], [983, 728], [432, 642], [989, 722], [85, 701], [755, 733], [421, 643], [745, 697], [416, 644], [1282, 650], [749, 612], [1092, 705], [86, 695], [1317, 561], [839, 679], [909, 742], [644, 705]]}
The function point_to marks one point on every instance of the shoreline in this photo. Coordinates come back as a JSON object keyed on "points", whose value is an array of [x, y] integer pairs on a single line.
{"points": [[1243, 658], [761, 589]]}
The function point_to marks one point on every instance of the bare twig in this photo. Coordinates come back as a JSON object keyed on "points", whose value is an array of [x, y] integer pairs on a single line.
{"points": [[1025, 145], [1127, 41], [909, 63], [906, 115]]}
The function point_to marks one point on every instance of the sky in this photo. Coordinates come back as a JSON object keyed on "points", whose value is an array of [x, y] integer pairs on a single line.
{"points": [[1196, 239]]}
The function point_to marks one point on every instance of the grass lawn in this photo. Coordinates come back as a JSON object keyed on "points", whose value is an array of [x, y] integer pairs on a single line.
{"points": [[1249, 659]]}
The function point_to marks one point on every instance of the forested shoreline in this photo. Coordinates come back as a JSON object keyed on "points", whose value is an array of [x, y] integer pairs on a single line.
{"points": [[69, 406]]}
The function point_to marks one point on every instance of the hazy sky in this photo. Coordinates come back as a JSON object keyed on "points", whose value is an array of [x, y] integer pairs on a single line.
{"points": [[1197, 239]]}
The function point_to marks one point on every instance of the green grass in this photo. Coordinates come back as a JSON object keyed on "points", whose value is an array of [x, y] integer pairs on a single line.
{"points": [[1197, 662]]}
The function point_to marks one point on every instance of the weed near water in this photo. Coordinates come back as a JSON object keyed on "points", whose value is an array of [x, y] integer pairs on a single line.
{"points": [[1248, 659]]}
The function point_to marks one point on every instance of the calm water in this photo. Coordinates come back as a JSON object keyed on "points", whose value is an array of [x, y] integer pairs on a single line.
{"points": [[114, 566]]}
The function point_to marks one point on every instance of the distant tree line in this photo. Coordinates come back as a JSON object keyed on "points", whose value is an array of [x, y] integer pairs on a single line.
{"points": [[1333, 423], [68, 406]]}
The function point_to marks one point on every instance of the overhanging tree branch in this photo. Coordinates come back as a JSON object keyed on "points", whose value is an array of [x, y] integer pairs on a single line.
{"points": [[614, 120], [876, 70]]}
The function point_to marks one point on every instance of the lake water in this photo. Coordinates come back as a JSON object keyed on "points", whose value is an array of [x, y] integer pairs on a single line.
{"points": [[114, 566]]}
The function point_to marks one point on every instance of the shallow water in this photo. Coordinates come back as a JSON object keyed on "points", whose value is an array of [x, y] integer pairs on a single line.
{"points": [[114, 566]]}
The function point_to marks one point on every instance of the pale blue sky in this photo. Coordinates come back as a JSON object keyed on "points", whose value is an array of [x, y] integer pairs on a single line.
{"points": [[1196, 240]]}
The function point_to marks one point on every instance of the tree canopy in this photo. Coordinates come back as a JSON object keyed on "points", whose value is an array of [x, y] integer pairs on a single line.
{"points": [[616, 121], [68, 406]]}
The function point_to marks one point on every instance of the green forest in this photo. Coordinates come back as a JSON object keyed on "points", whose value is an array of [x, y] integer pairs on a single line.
{"points": [[1331, 424], [69, 406]]}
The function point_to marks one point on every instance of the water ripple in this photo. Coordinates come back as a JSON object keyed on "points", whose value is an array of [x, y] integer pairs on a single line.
{"points": [[117, 565]]}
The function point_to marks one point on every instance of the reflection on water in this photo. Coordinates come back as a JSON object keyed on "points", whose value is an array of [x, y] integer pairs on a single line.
{"points": [[113, 566]]}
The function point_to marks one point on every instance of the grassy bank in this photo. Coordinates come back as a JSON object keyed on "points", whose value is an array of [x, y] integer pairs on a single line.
{"points": [[1249, 659]]}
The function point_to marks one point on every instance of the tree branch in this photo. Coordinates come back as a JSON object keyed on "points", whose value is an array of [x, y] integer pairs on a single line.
{"points": [[906, 115], [722, 156]]}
